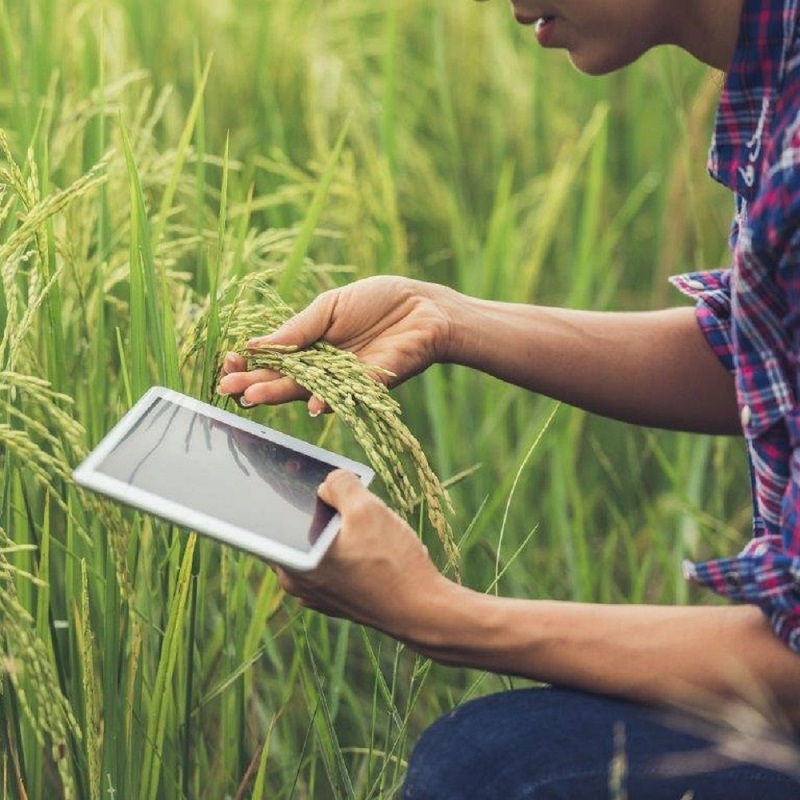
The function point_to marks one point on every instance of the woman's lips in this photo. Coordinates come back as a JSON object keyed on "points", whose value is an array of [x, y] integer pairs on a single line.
{"points": [[543, 24], [544, 29]]}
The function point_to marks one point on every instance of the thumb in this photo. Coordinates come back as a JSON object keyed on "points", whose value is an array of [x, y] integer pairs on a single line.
{"points": [[303, 328], [339, 488]]}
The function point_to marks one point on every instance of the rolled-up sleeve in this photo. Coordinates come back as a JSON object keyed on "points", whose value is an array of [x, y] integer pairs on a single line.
{"points": [[766, 572], [711, 291]]}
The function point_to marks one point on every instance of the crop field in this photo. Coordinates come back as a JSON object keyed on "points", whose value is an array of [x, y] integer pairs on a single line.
{"points": [[174, 177]]}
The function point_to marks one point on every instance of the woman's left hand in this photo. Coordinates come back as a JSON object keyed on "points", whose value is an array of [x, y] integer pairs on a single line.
{"points": [[377, 572]]}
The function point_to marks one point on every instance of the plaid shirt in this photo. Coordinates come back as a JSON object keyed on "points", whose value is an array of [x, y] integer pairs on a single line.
{"points": [[750, 313]]}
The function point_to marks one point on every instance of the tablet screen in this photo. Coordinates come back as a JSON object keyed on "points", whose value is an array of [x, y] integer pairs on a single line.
{"points": [[227, 473]]}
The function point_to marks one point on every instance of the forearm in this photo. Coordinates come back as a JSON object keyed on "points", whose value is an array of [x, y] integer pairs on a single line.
{"points": [[658, 655], [649, 368], [378, 573]]}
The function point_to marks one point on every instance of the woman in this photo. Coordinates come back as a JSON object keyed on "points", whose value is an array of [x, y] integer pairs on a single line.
{"points": [[730, 365]]}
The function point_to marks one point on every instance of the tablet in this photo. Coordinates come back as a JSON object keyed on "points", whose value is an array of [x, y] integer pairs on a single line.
{"points": [[213, 472]]}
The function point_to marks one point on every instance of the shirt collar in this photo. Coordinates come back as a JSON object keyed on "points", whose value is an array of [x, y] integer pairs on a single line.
{"points": [[766, 33]]}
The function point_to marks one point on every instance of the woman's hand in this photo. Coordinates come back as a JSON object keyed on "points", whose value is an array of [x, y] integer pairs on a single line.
{"points": [[377, 572], [397, 324]]}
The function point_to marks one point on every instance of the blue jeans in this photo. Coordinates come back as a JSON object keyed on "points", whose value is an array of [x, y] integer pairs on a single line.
{"points": [[553, 744]]}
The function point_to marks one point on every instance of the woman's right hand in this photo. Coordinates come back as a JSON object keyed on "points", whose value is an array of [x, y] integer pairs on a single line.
{"points": [[398, 324]]}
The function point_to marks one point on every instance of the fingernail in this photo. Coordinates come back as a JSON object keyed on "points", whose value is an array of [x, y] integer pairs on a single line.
{"points": [[244, 402], [320, 406]]}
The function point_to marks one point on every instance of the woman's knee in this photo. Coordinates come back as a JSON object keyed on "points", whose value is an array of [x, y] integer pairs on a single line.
{"points": [[548, 744], [487, 747]]}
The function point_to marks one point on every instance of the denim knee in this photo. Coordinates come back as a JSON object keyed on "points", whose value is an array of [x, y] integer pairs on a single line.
{"points": [[551, 744]]}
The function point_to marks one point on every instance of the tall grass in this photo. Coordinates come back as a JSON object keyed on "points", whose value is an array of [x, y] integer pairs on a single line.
{"points": [[157, 154]]}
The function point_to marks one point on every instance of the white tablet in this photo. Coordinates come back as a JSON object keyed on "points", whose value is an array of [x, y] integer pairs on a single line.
{"points": [[216, 473]]}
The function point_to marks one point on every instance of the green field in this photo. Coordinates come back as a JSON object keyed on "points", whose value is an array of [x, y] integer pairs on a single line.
{"points": [[162, 162]]}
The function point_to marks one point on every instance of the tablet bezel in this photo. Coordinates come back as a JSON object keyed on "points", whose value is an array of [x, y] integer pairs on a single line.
{"points": [[259, 544]]}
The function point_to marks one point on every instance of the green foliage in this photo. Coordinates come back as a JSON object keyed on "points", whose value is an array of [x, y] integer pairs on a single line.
{"points": [[153, 157]]}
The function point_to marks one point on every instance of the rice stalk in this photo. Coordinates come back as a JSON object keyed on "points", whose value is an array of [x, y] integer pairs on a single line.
{"points": [[162, 698], [618, 766], [25, 662], [90, 683], [20, 310], [43, 453], [25, 248], [49, 458], [39, 211]]}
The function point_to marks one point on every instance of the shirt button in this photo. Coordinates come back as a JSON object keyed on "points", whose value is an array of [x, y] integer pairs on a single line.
{"points": [[695, 284], [733, 580], [746, 416]]}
